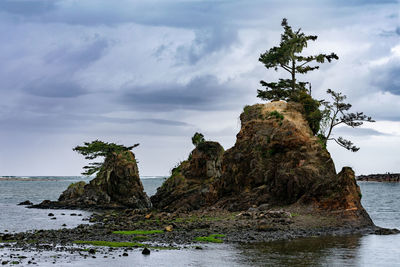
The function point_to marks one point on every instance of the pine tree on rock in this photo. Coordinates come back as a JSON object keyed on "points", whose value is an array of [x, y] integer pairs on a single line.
{"points": [[287, 56], [97, 149]]}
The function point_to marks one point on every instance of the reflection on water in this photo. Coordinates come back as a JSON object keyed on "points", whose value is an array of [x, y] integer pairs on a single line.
{"points": [[372, 250], [321, 251]]}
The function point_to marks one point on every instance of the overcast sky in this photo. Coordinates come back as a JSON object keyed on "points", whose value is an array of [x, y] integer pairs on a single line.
{"points": [[155, 72]]}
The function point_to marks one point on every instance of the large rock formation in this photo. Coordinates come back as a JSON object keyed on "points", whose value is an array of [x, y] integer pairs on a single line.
{"points": [[276, 160], [117, 185], [191, 183]]}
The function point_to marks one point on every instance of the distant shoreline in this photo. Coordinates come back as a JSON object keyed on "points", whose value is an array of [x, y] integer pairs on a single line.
{"points": [[57, 178], [386, 177]]}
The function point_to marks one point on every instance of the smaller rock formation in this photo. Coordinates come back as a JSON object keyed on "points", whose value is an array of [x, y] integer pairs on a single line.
{"points": [[117, 185], [190, 185]]}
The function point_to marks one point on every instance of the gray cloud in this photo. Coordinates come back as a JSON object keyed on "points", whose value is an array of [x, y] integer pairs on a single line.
{"points": [[28, 7], [54, 87], [348, 131], [77, 57], [201, 93], [206, 42], [387, 77]]}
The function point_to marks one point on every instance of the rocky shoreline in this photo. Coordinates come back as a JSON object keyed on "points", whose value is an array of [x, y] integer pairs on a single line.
{"points": [[385, 177], [162, 230]]}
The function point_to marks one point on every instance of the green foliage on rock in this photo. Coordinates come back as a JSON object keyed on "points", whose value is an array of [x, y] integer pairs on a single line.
{"points": [[312, 112], [197, 139], [97, 148], [276, 114]]}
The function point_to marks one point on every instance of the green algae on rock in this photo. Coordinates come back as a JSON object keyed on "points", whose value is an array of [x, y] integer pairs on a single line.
{"points": [[214, 238]]}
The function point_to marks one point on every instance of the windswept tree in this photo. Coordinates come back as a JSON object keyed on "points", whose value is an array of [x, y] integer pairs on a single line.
{"points": [[288, 57], [337, 113], [97, 148]]}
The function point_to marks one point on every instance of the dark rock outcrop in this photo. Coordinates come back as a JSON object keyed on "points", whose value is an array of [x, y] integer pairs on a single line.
{"points": [[117, 185], [25, 203], [191, 185], [276, 160]]}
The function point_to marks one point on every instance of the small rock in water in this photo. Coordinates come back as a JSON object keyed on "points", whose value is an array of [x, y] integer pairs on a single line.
{"points": [[53, 218], [64, 224], [50, 214], [126, 254], [146, 251], [73, 214], [92, 251], [26, 202]]}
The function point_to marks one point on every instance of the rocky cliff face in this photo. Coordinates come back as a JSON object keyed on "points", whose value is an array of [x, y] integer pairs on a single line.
{"points": [[276, 160], [191, 185], [116, 185]]}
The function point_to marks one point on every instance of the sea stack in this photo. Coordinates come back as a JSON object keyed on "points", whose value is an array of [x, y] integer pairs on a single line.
{"points": [[117, 185], [276, 161]]}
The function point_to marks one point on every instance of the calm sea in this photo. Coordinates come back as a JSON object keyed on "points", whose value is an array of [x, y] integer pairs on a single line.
{"points": [[381, 200]]}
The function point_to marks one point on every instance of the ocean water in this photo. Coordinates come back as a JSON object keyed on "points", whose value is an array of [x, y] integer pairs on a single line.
{"points": [[381, 200], [14, 190]]}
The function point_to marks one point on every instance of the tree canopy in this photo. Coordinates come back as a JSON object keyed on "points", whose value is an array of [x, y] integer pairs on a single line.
{"points": [[97, 148]]}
